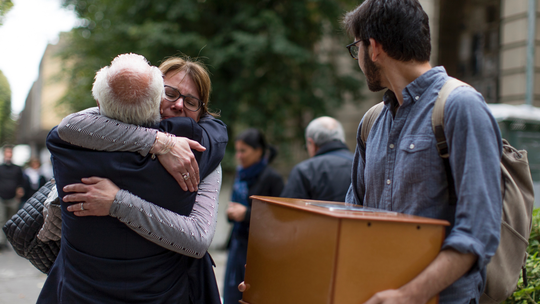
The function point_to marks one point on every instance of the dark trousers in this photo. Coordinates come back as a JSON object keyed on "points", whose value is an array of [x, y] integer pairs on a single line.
{"points": [[234, 274], [8, 208]]}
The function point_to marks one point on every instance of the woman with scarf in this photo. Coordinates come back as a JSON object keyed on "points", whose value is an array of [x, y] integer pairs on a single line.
{"points": [[253, 177]]}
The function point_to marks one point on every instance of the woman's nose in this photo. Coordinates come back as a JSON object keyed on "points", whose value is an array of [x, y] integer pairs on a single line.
{"points": [[179, 103]]}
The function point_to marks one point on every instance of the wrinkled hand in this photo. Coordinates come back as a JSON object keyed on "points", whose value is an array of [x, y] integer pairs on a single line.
{"points": [[181, 161], [392, 296], [236, 212], [96, 193]]}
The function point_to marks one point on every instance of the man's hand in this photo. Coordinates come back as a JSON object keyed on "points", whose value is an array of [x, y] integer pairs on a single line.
{"points": [[448, 267], [96, 193], [180, 162], [236, 212], [243, 286]]}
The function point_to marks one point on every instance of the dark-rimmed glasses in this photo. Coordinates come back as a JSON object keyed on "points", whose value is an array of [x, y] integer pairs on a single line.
{"points": [[191, 103], [353, 49]]}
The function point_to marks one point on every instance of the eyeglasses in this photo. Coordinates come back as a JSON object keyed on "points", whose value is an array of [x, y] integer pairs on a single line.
{"points": [[353, 49], [191, 103]]}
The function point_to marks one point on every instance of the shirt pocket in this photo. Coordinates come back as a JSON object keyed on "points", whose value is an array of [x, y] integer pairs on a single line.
{"points": [[415, 157]]}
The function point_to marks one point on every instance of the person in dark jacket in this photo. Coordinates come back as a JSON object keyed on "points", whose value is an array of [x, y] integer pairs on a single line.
{"points": [[327, 174], [253, 177], [33, 179], [11, 190]]}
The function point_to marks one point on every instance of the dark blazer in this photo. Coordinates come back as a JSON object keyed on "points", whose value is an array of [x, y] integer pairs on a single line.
{"points": [[103, 261], [326, 176]]}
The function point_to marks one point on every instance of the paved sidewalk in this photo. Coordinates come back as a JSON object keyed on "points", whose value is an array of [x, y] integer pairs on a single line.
{"points": [[21, 282]]}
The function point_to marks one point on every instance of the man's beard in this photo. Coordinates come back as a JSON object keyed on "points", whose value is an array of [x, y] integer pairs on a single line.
{"points": [[373, 77]]}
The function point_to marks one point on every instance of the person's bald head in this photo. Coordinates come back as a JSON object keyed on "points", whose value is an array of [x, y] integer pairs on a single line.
{"points": [[323, 130], [129, 90]]}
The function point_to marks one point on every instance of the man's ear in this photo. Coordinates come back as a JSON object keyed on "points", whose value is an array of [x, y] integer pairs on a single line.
{"points": [[311, 147], [375, 50]]}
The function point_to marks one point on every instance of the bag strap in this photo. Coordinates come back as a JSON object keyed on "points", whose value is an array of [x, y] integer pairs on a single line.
{"points": [[437, 118], [437, 123], [369, 120]]}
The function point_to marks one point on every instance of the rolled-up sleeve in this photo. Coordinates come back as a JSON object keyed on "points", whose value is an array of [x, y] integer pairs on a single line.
{"points": [[475, 154]]}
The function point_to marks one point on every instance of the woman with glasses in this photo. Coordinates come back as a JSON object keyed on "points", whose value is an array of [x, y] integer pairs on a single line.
{"points": [[186, 94]]}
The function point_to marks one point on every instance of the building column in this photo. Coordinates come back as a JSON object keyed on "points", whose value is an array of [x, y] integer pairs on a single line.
{"points": [[513, 53]]}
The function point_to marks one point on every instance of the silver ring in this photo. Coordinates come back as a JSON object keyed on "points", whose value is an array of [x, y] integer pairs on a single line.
{"points": [[185, 175], [82, 206]]}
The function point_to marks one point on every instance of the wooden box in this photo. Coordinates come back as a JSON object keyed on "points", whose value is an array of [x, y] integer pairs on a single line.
{"points": [[305, 251]]}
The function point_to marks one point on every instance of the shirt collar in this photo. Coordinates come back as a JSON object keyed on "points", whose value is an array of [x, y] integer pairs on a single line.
{"points": [[414, 90]]}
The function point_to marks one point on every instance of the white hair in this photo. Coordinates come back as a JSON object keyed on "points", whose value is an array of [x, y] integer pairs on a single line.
{"points": [[325, 129], [129, 90]]}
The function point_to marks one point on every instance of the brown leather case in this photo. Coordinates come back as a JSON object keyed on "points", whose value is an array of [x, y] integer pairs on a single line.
{"points": [[301, 252]]}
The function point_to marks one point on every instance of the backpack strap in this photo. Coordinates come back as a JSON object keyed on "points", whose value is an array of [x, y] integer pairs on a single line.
{"points": [[437, 123], [369, 119], [437, 118]]}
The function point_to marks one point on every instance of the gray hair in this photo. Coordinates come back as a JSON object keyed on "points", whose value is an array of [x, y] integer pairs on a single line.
{"points": [[129, 90], [325, 129]]}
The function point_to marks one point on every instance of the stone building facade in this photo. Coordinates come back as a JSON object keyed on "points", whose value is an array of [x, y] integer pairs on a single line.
{"points": [[482, 42], [41, 111]]}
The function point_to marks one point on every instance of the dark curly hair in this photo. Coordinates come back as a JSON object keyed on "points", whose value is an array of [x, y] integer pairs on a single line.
{"points": [[400, 26]]}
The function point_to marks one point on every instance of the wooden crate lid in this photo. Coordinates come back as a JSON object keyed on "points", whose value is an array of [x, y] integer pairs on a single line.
{"points": [[341, 210]]}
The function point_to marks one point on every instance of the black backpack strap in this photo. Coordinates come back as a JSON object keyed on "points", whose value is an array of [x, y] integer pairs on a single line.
{"points": [[369, 119], [437, 123]]}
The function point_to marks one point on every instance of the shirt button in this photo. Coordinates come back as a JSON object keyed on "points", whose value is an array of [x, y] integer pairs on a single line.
{"points": [[417, 97], [411, 146], [391, 146], [388, 182]]}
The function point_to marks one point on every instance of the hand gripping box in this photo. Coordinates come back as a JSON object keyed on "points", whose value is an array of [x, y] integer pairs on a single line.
{"points": [[316, 252]]}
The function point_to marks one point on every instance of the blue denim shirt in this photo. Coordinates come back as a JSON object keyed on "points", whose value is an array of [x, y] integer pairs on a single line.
{"points": [[401, 170]]}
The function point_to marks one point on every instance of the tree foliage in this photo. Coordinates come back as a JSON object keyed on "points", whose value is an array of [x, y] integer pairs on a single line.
{"points": [[5, 6], [531, 292], [268, 66], [7, 125]]}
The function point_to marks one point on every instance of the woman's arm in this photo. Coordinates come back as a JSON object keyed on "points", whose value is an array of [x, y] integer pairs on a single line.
{"points": [[189, 235], [89, 129]]}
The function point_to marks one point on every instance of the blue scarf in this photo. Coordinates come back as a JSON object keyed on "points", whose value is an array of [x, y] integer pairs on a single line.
{"points": [[245, 178]]}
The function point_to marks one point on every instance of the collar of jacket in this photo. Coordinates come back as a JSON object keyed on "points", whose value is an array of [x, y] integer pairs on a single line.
{"points": [[331, 146]]}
